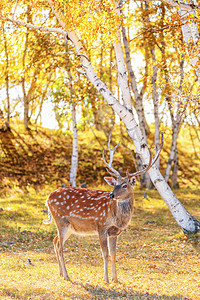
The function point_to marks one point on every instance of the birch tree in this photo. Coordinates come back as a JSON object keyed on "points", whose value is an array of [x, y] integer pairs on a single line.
{"points": [[188, 16], [62, 11], [74, 159], [7, 75], [188, 223]]}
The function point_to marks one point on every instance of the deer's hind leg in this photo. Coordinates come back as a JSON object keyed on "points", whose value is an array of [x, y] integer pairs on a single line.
{"points": [[64, 232]]}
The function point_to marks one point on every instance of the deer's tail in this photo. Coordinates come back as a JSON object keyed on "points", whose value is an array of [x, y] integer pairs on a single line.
{"points": [[49, 215]]}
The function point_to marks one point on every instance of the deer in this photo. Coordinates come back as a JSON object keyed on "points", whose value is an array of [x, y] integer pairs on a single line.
{"points": [[85, 211]]}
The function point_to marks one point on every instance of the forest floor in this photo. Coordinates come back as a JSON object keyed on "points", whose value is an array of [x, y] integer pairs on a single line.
{"points": [[40, 156], [155, 260]]}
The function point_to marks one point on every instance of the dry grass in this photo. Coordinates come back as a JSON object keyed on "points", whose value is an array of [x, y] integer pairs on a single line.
{"points": [[154, 259]]}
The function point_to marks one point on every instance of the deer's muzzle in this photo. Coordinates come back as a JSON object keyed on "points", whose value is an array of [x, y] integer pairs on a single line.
{"points": [[111, 195]]}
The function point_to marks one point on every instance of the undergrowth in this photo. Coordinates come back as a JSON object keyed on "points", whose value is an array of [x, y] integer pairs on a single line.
{"points": [[38, 157]]}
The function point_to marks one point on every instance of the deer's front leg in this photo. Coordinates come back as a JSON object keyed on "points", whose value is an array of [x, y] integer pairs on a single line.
{"points": [[104, 248], [112, 248]]}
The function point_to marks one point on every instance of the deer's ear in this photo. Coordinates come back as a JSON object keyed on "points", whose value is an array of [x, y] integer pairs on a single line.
{"points": [[132, 181], [111, 181]]}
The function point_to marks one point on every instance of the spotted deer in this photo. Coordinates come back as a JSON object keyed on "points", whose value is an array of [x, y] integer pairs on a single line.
{"points": [[85, 212]]}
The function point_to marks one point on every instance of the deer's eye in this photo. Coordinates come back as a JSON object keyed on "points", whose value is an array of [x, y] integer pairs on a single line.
{"points": [[124, 186]]}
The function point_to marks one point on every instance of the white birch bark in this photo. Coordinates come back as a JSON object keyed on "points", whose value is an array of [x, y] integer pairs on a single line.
{"points": [[145, 179], [155, 105], [172, 152], [121, 66], [176, 118], [25, 98], [191, 34], [174, 177], [155, 96], [138, 98], [122, 74], [7, 77], [182, 4], [74, 159]]}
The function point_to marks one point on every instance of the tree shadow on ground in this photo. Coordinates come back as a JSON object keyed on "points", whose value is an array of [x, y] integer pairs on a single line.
{"points": [[95, 292]]}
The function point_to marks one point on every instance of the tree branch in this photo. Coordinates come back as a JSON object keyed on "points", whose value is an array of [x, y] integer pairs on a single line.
{"points": [[181, 4], [34, 27]]}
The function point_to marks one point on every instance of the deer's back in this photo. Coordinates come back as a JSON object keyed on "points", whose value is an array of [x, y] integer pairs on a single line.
{"points": [[84, 209]]}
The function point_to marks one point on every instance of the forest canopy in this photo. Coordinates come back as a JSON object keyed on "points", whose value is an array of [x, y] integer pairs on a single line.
{"points": [[145, 52]]}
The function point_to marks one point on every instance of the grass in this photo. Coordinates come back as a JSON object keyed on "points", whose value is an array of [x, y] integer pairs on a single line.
{"points": [[155, 260]]}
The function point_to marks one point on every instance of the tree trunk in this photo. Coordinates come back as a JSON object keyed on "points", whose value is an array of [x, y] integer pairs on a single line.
{"points": [[57, 116], [7, 78], [174, 177], [43, 97], [122, 74], [191, 35], [176, 124], [74, 159], [145, 179], [138, 97], [172, 153], [188, 223], [25, 98], [110, 69], [155, 105]]}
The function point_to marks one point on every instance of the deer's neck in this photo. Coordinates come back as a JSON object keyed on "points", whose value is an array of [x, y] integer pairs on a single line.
{"points": [[124, 211]]}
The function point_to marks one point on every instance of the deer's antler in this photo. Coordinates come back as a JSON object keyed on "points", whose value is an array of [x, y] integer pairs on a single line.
{"points": [[151, 163], [110, 168]]}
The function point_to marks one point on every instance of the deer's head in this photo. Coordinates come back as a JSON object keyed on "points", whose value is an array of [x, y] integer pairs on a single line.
{"points": [[123, 186]]}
